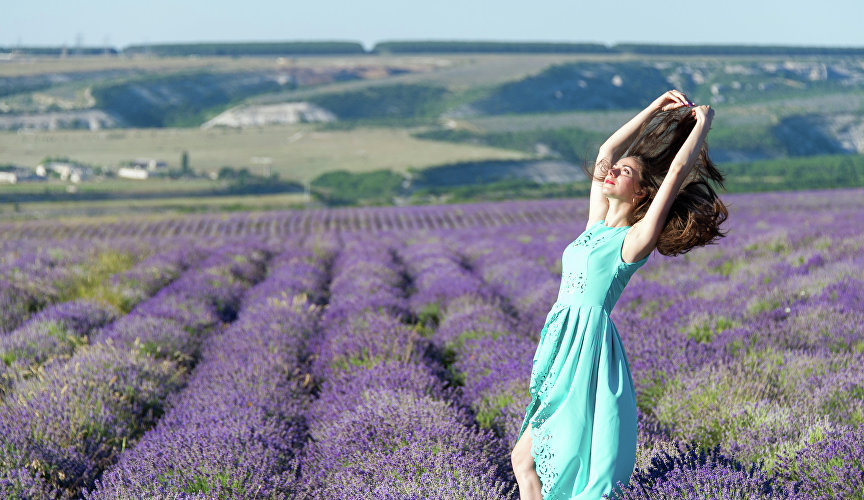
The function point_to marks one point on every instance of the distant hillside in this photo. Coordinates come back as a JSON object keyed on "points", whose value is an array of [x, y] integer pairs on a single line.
{"points": [[628, 85], [162, 97], [549, 101], [181, 99], [578, 86], [11, 85], [390, 101]]}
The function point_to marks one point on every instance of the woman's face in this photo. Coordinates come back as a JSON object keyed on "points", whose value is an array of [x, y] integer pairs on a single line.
{"points": [[622, 180]]}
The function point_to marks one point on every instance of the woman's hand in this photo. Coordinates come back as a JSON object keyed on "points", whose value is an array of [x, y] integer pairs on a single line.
{"points": [[672, 99], [703, 114]]}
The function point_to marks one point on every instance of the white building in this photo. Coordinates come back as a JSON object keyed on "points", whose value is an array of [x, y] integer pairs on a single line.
{"points": [[67, 171], [150, 164], [133, 173], [18, 174]]}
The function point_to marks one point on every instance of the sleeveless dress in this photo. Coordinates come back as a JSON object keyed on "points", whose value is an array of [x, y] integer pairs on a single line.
{"points": [[583, 405]]}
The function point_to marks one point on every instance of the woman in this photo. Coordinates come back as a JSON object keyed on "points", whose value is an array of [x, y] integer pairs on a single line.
{"points": [[581, 421]]}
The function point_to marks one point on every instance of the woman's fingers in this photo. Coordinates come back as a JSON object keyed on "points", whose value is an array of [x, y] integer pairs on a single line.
{"points": [[677, 99], [673, 99], [703, 112]]}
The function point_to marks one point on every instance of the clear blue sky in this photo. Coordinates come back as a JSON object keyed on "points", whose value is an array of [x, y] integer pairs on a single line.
{"points": [[121, 22]]}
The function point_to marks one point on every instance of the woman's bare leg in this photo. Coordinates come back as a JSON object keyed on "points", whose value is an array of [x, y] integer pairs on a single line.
{"points": [[523, 468]]}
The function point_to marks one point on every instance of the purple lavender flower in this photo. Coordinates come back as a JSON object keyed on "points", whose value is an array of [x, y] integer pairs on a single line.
{"points": [[236, 428], [691, 471]]}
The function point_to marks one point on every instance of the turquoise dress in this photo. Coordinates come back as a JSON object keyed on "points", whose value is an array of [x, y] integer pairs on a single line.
{"points": [[583, 406]]}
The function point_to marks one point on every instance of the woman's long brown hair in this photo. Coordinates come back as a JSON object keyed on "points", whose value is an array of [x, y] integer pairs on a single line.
{"points": [[696, 213]]}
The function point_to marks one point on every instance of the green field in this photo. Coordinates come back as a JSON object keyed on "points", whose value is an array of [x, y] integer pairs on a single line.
{"points": [[300, 152]]}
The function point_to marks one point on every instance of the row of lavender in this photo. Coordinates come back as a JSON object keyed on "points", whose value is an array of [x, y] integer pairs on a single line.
{"points": [[384, 423], [236, 429], [487, 300], [36, 273], [369, 219], [482, 299], [63, 427], [55, 332]]}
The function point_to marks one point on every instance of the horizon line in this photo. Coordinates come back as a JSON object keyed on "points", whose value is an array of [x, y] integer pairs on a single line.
{"points": [[429, 40]]}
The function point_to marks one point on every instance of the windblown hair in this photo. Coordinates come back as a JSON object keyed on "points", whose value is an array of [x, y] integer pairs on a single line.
{"points": [[696, 213]]}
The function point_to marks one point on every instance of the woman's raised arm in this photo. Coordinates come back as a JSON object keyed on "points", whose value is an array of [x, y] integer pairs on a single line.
{"points": [[619, 141], [642, 238]]}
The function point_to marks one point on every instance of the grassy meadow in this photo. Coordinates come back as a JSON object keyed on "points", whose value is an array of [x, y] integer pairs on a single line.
{"points": [[299, 152]]}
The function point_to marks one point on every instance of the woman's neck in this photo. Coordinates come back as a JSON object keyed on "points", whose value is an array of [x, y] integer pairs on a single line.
{"points": [[618, 214]]}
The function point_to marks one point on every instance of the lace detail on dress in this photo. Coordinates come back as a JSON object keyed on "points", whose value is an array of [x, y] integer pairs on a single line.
{"points": [[552, 337], [543, 452], [541, 442], [571, 282], [588, 240]]}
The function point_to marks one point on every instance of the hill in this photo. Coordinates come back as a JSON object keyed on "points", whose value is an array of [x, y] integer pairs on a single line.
{"points": [[466, 115]]}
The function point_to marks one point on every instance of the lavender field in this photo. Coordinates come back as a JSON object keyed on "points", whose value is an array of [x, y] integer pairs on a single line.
{"points": [[386, 352]]}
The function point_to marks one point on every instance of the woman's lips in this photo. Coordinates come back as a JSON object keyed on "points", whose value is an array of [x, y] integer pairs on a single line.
{"points": [[610, 182]]}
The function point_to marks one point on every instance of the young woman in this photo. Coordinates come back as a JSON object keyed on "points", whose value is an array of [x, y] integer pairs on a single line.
{"points": [[581, 421]]}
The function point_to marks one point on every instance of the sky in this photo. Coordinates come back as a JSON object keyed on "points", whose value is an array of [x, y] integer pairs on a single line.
{"points": [[119, 23]]}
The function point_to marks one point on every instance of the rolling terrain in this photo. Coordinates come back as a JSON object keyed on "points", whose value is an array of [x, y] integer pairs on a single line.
{"points": [[434, 118]]}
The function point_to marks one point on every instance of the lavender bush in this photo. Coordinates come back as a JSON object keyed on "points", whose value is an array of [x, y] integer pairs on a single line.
{"points": [[92, 406], [236, 428], [381, 439]]}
